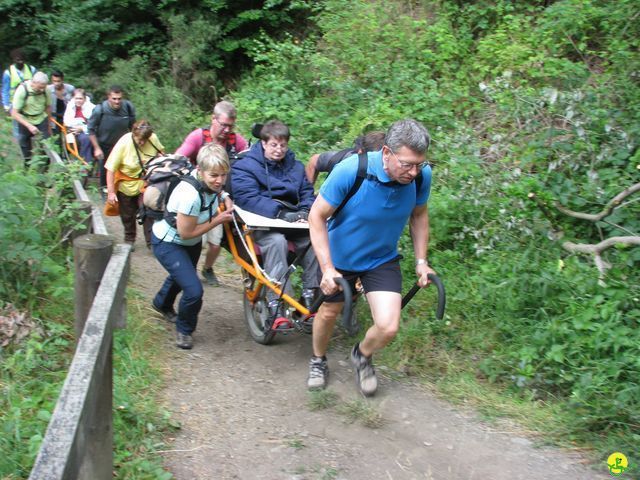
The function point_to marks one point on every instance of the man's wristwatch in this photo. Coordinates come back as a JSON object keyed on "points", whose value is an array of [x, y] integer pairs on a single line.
{"points": [[421, 261]]}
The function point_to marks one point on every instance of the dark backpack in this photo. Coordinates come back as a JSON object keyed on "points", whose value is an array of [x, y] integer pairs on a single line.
{"points": [[361, 175], [163, 174]]}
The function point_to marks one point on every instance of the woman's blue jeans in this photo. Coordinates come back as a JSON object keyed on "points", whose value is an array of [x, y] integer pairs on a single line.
{"points": [[180, 261]]}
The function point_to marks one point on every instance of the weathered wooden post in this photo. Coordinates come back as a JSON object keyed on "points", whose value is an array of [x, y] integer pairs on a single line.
{"points": [[91, 254]]}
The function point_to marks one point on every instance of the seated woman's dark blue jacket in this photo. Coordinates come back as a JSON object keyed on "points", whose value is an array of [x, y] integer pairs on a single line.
{"points": [[256, 182]]}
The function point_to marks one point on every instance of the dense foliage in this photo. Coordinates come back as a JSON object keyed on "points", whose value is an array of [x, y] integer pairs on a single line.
{"points": [[36, 277], [200, 46]]}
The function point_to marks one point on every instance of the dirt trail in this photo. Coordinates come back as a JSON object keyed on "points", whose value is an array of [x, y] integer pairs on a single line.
{"points": [[244, 411]]}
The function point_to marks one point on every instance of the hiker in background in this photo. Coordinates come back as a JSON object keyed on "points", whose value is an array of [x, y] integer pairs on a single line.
{"points": [[125, 167], [60, 93], [220, 132], [361, 241], [191, 211], [30, 109], [13, 76], [324, 162], [109, 121], [75, 118]]}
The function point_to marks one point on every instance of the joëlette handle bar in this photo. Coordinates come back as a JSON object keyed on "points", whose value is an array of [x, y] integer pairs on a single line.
{"points": [[442, 297], [348, 303]]}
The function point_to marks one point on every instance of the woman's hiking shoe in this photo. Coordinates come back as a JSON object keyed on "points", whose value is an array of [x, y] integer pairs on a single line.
{"points": [[365, 373], [318, 373], [184, 341], [210, 276], [169, 315]]}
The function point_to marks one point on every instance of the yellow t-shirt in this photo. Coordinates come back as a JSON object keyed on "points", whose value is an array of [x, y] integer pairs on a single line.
{"points": [[124, 158]]}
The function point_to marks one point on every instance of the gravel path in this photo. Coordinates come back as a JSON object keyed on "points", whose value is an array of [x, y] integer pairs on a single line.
{"points": [[245, 412]]}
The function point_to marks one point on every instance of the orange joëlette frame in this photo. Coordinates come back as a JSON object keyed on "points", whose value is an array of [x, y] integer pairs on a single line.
{"points": [[72, 148], [252, 269]]}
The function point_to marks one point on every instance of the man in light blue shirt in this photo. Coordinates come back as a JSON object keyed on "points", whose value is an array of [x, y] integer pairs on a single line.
{"points": [[361, 242]]}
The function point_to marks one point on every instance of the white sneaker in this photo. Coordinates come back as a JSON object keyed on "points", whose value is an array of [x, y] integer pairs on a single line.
{"points": [[318, 373], [365, 373]]}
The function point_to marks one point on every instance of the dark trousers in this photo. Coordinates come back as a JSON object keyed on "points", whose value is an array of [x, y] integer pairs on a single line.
{"points": [[102, 172], [128, 215], [128, 211], [25, 140], [180, 262], [85, 149]]}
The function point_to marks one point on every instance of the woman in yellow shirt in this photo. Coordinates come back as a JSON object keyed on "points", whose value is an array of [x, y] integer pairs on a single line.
{"points": [[125, 168]]}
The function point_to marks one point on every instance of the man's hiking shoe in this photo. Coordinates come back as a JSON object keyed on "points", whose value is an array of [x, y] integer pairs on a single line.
{"points": [[169, 315], [184, 341], [365, 373], [210, 276], [318, 373]]}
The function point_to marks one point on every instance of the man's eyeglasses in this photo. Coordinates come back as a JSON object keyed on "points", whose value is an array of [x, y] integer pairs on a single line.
{"points": [[408, 165], [227, 126]]}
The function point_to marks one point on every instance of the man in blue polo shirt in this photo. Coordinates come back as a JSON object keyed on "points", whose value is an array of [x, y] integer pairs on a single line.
{"points": [[361, 242]]}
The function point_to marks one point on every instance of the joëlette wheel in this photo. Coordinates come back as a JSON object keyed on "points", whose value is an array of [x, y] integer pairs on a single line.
{"points": [[256, 315]]}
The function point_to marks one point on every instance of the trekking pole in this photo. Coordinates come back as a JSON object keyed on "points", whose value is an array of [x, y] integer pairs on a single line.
{"points": [[346, 310], [442, 298]]}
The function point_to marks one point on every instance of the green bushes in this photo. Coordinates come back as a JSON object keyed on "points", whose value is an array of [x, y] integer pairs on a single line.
{"points": [[530, 106], [36, 276]]}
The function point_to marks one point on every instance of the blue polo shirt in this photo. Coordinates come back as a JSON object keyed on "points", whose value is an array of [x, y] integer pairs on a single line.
{"points": [[366, 231]]}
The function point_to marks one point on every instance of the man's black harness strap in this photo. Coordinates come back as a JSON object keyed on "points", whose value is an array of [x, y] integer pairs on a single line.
{"points": [[363, 161]]}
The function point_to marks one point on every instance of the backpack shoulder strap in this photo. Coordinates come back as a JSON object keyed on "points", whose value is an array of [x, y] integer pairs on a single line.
{"points": [[419, 179], [99, 112], [206, 135], [129, 110], [195, 183], [363, 162]]}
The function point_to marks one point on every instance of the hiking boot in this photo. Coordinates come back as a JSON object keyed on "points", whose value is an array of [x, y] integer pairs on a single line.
{"points": [[318, 373], [365, 373], [169, 314], [210, 276], [184, 341]]}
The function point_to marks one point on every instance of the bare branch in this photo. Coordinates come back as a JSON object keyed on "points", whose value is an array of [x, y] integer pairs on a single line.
{"points": [[608, 209], [598, 248]]}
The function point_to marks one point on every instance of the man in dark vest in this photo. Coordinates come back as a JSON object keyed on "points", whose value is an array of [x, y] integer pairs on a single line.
{"points": [[109, 121], [223, 121], [324, 162]]}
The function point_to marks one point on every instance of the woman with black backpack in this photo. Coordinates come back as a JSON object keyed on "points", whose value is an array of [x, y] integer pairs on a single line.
{"points": [[191, 211]]}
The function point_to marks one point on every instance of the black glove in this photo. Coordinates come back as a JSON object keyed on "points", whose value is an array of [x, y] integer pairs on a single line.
{"points": [[289, 216], [303, 214]]}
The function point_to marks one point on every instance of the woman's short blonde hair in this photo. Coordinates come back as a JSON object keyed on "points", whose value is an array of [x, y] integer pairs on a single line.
{"points": [[213, 157]]}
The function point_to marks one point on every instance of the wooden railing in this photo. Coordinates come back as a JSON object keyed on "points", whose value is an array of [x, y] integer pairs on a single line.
{"points": [[79, 440]]}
